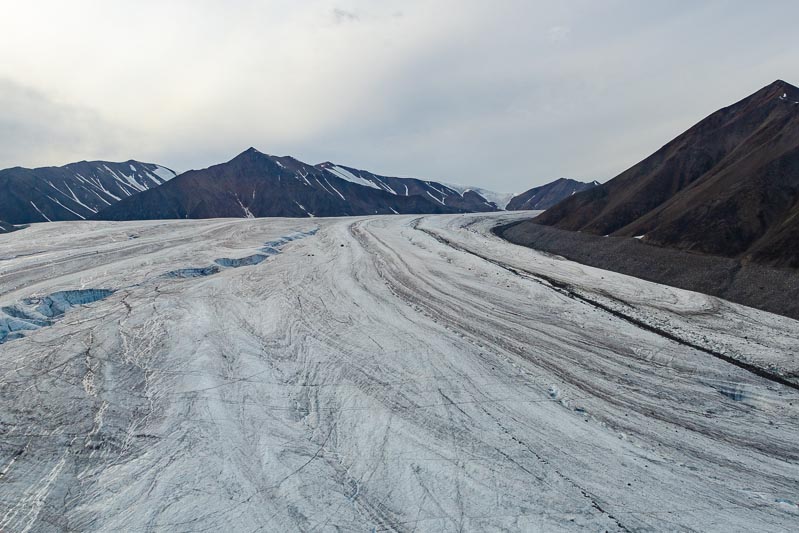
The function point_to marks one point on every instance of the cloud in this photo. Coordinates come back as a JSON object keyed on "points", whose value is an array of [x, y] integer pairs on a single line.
{"points": [[559, 34], [505, 95], [342, 15], [35, 129]]}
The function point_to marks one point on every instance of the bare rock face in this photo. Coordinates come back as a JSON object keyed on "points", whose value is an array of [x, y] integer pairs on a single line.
{"points": [[728, 186], [73, 192]]}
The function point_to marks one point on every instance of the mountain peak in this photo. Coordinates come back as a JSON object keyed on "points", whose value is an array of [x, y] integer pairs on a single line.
{"points": [[781, 84], [250, 153], [777, 89], [703, 190]]}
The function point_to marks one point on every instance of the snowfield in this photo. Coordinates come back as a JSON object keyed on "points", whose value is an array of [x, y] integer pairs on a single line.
{"points": [[387, 373]]}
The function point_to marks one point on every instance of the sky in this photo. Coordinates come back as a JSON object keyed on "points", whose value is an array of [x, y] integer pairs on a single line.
{"points": [[501, 94]]}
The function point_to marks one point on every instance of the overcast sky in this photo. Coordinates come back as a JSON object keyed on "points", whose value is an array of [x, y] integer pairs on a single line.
{"points": [[501, 94]]}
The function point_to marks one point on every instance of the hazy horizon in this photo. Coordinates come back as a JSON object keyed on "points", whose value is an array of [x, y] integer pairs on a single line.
{"points": [[502, 97]]}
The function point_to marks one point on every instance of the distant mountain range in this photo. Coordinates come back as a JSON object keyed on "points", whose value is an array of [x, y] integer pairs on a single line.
{"points": [[453, 196], [548, 195], [252, 184], [728, 186], [73, 192]]}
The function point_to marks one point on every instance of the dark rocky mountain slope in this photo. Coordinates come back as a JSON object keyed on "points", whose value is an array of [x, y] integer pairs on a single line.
{"points": [[459, 198], [5, 227], [728, 186], [254, 184], [73, 192], [546, 196]]}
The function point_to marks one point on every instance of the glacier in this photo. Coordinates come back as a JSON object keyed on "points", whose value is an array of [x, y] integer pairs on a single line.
{"points": [[379, 373]]}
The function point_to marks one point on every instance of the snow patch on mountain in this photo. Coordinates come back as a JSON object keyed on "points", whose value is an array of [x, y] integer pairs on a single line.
{"points": [[345, 174], [163, 173], [499, 199]]}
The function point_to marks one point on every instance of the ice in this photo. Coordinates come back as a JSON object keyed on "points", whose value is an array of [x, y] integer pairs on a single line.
{"points": [[60, 302], [269, 248], [37, 312], [199, 272], [250, 260], [392, 373]]}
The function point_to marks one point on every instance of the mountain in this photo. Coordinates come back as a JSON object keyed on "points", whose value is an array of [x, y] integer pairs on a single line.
{"points": [[728, 186], [75, 191], [460, 198], [548, 195], [254, 184]]}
